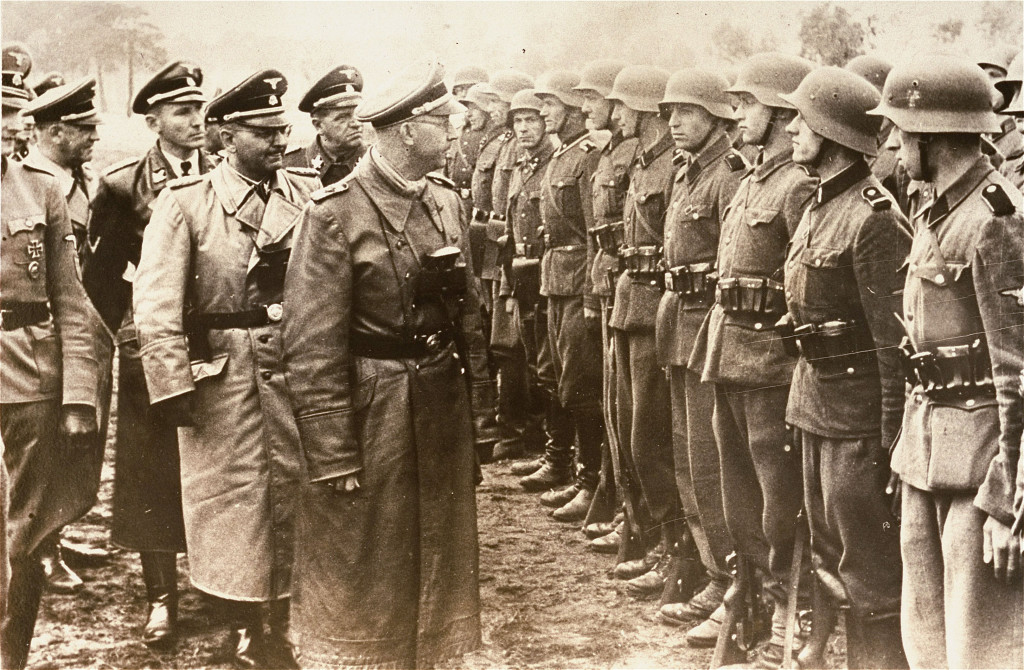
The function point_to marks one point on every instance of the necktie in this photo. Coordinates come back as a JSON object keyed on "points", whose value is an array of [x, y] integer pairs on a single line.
{"points": [[78, 174], [186, 168]]}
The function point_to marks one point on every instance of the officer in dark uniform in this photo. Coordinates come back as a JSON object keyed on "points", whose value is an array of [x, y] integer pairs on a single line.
{"points": [[644, 412], [963, 605], [611, 181], [566, 209], [708, 174], [846, 400], [147, 514], [50, 370], [17, 63], [761, 468], [331, 103]]}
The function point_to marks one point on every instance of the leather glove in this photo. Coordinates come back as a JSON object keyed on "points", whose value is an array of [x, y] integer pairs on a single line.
{"points": [[176, 411], [592, 320], [78, 424], [343, 484]]}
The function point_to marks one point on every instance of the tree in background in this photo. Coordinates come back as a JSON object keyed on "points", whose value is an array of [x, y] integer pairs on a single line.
{"points": [[734, 44], [948, 31], [830, 36]]}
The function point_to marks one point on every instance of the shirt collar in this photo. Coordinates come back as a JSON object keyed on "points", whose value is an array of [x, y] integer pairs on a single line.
{"points": [[838, 183], [175, 163], [773, 163], [393, 178]]}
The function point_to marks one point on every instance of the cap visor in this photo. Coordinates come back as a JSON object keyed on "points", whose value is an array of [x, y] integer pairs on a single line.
{"points": [[276, 120]]}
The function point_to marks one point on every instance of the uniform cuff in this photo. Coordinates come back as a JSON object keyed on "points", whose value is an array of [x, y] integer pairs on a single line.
{"points": [[81, 381], [329, 445], [995, 496]]}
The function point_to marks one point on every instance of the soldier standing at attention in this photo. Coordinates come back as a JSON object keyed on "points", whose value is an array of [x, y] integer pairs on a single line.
{"points": [[846, 400], [963, 605], [644, 412], [707, 177], [460, 159], [610, 183], [737, 348], [207, 299], [50, 374], [147, 514], [385, 352], [331, 103], [1010, 88]]}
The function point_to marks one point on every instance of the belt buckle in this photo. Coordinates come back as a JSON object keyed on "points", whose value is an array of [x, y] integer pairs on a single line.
{"points": [[432, 343], [275, 312]]}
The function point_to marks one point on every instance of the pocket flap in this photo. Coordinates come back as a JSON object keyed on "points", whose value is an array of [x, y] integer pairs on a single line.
{"points": [[26, 224], [207, 369], [821, 258], [759, 217]]}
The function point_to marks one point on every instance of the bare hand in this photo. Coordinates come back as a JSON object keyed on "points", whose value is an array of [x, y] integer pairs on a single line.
{"points": [[1001, 550], [592, 319], [344, 484], [78, 423], [510, 305]]}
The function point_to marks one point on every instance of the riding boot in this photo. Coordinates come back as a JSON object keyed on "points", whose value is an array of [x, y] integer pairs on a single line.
{"points": [[557, 468], [823, 622], [874, 643], [160, 575], [685, 572], [246, 641], [280, 653], [23, 595]]}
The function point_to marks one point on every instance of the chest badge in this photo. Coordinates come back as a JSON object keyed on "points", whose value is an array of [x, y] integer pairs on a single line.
{"points": [[159, 176], [35, 253]]}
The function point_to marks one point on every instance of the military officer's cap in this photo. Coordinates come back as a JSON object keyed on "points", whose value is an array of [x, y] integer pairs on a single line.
{"points": [[341, 87], [256, 101], [176, 82], [417, 91], [49, 80], [876, 70], [17, 63], [72, 103]]}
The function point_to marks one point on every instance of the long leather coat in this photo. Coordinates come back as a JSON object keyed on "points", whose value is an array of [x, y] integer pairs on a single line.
{"points": [[386, 576]]}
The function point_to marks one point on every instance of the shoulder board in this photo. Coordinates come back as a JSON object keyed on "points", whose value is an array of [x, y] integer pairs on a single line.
{"points": [[182, 182], [30, 166], [304, 172], [507, 135], [876, 198], [294, 150], [997, 200], [117, 167], [328, 191], [735, 161], [441, 180], [586, 146]]}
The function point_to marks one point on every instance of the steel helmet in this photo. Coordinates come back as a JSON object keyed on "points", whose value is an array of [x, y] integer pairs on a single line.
{"points": [[599, 76], [561, 84], [834, 102], [525, 99], [469, 75], [697, 86], [477, 95], [872, 68], [1011, 83], [939, 94], [1016, 106], [766, 75], [639, 87], [508, 83], [997, 56]]}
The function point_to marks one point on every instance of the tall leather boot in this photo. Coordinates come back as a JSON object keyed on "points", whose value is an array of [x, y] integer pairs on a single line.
{"points": [[23, 596], [280, 653], [59, 577], [874, 643], [246, 641], [589, 435], [160, 574], [823, 622], [685, 574], [557, 468]]}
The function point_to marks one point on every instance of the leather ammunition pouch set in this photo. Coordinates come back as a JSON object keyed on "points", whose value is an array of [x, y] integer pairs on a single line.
{"points": [[949, 372], [751, 296], [644, 264], [485, 233], [831, 345], [609, 237], [695, 282], [15, 314], [525, 275]]}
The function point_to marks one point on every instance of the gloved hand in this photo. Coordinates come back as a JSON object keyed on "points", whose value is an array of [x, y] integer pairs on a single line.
{"points": [[78, 424], [175, 411], [343, 484]]}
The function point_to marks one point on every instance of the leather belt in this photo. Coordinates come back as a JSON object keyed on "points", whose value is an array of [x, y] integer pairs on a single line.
{"points": [[15, 315], [250, 318], [754, 296], [393, 348], [951, 371], [832, 342], [695, 282], [528, 250]]}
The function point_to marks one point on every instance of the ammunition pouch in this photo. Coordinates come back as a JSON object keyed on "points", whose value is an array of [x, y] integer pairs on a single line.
{"points": [[751, 296], [609, 237], [526, 281], [833, 343], [529, 250], [484, 240], [956, 371], [644, 264], [695, 282]]}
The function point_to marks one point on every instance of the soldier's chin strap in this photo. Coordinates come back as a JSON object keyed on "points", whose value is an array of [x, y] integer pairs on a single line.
{"points": [[770, 126], [923, 141]]}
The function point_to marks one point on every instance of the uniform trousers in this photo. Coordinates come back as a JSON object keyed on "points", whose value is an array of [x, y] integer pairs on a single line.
{"points": [[762, 485], [854, 535], [697, 472], [646, 433], [954, 613]]}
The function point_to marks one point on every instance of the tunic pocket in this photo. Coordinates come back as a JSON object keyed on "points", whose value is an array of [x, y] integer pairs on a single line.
{"points": [[964, 436]]}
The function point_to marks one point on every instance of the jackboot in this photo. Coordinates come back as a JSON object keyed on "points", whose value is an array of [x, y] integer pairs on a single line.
{"points": [[632, 569], [59, 577], [874, 643], [555, 498], [577, 508], [23, 595], [653, 581], [557, 468], [246, 642], [697, 608], [523, 468], [279, 651], [160, 575], [822, 623], [686, 574]]}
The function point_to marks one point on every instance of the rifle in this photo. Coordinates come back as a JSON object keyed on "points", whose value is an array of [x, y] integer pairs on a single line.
{"points": [[746, 618]]}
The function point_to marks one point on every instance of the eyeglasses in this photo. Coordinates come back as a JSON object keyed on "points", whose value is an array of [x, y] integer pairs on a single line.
{"points": [[267, 134]]}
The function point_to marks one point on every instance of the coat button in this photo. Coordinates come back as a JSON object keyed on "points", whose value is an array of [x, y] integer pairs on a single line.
{"points": [[266, 374], [817, 262], [970, 403], [849, 371], [696, 216], [758, 326], [940, 279]]}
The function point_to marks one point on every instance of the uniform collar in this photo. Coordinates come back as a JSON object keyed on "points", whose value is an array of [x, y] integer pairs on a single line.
{"points": [[541, 155], [837, 184], [234, 190], [711, 152], [949, 199], [762, 170], [570, 143], [36, 159], [660, 146], [174, 163]]}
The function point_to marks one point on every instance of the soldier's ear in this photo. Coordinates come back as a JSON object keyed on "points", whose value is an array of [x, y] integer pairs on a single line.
{"points": [[153, 123], [227, 137]]}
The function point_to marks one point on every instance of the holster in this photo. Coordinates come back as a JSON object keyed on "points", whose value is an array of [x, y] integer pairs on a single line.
{"points": [[949, 371], [526, 281]]}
